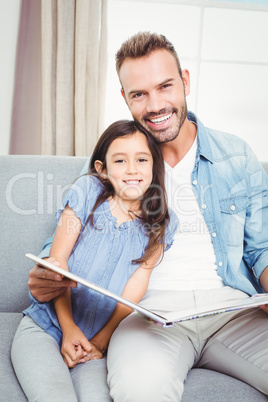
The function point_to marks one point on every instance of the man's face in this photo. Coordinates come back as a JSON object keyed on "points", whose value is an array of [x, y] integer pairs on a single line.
{"points": [[155, 93]]}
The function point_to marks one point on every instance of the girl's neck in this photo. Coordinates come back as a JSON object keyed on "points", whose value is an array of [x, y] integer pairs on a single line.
{"points": [[124, 211]]}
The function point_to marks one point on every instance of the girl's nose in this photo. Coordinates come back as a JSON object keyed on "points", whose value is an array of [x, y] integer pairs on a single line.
{"points": [[131, 168]]}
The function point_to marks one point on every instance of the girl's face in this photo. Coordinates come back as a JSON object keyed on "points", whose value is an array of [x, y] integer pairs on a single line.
{"points": [[129, 164]]}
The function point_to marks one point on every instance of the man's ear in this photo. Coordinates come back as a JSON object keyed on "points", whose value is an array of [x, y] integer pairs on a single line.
{"points": [[123, 94], [98, 166], [186, 81]]}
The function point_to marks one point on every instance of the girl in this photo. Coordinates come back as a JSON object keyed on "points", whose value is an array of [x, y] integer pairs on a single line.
{"points": [[112, 229]]}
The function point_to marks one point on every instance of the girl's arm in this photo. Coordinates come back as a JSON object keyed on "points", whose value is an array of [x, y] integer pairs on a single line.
{"points": [[74, 345], [66, 235], [134, 291]]}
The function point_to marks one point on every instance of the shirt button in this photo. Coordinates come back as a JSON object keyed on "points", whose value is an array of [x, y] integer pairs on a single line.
{"points": [[204, 206], [233, 207], [220, 264], [194, 182], [214, 234]]}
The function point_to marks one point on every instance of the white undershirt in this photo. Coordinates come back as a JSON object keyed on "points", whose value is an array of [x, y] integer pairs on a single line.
{"points": [[190, 263]]}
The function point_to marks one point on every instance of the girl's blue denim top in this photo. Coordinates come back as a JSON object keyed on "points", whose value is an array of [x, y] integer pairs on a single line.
{"points": [[102, 255]]}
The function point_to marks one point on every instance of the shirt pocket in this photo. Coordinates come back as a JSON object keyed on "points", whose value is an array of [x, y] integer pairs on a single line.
{"points": [[233, 210]]}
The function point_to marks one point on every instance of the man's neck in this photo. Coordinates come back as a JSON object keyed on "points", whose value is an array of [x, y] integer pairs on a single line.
{"points": [[174, 151]]}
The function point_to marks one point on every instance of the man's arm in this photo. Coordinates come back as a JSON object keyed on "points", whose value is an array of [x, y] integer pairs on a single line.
{"points": [[264, 280], [255, 252], [264, 284]]}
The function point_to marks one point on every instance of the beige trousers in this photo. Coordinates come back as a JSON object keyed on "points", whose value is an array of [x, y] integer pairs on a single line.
{"points": [[150, 363]]}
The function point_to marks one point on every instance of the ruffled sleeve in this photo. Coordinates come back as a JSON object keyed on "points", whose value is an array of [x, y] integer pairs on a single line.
{"points": [[81, 197], [171, 229]]}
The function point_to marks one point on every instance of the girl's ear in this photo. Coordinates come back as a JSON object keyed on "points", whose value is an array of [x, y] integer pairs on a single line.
{"points": [[99, 167]]}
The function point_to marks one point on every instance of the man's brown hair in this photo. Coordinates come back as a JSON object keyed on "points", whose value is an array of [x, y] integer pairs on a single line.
{"points": [[142, 44]]}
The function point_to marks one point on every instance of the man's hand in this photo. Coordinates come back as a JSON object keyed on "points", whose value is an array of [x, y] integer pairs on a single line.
{"points": [[264, 284], [45, 285], [264, 308]]}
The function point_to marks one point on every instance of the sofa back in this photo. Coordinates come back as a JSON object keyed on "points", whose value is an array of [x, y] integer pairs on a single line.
{"points": [[31, 190]]}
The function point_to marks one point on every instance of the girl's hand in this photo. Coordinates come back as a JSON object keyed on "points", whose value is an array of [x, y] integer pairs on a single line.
{"points": [[96, 352], [75, 347]]}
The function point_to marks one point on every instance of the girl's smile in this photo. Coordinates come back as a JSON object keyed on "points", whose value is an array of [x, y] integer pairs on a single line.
{"points": [[129, 166]]}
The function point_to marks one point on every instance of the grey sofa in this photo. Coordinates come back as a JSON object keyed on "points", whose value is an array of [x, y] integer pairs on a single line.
{"points": [[31, 188]]}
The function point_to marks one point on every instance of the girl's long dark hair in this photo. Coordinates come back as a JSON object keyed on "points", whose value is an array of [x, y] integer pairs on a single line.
{"points": [[153, 203]]}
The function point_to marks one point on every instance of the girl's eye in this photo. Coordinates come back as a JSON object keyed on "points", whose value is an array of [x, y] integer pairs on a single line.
{"points": [[119, 161], [142, 160]]}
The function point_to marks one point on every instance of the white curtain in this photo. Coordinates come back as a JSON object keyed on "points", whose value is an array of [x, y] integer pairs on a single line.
{"points": [[74, 43]]}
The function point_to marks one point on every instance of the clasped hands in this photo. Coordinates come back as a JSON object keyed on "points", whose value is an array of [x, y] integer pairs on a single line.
{"points": [[77, 349]]}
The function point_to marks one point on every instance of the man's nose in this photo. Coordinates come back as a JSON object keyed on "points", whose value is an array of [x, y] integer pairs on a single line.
{"points": [[155, 103]]}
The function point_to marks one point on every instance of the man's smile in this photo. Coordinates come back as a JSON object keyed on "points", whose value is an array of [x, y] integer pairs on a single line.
{"points": [[161, 120]]}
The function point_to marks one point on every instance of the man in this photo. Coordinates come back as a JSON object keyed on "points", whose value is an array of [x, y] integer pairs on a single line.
{"points": [[220, 194]]}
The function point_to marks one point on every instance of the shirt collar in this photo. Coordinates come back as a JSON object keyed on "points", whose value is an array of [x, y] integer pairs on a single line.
{"points": [[203, 145]]}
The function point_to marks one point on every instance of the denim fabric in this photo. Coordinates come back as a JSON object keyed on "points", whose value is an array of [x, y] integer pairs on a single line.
{"points": [[231, 188], [103, 254]]}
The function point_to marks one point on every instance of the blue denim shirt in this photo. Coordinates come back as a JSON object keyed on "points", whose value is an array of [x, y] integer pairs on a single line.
{"points": [[232, 187], [229, 180], [103, 254]]}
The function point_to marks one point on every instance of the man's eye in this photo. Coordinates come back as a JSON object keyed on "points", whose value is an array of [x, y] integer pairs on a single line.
{"points": [[137, 95], [166, 86]]}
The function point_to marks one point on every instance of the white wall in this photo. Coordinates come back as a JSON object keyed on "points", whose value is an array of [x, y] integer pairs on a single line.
{"points": [[225, 48], [9, 23]]}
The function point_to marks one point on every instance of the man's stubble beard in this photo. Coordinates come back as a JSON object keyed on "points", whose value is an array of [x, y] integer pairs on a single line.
{"points": [[171, 133]]}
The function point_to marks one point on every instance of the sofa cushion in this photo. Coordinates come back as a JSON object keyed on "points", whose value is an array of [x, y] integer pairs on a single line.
{"points": [[201, 384], [31, 189]]}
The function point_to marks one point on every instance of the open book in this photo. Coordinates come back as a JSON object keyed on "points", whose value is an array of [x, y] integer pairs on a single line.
{"points": [[248, 302]]}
